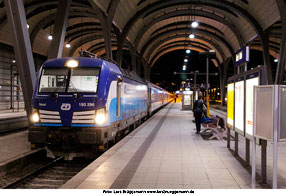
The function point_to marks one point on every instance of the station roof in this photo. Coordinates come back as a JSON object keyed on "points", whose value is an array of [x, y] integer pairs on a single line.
{"points": [[155, 27]]}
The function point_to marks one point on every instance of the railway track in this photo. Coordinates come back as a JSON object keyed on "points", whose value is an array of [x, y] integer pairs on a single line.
{"points": [[50, 176]]}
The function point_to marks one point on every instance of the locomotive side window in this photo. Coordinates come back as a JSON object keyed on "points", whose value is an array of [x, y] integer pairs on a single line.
{"points": [[84, 80], [53, 80]]}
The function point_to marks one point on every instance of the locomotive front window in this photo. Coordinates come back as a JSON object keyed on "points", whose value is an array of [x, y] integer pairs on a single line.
{"points": [[84, 80], [53, 80]]}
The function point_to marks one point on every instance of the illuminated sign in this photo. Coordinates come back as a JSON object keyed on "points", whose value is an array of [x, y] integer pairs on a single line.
{"points": [[239, 107], [230, 104], [250, 83], [187, 100], [242, 56]]}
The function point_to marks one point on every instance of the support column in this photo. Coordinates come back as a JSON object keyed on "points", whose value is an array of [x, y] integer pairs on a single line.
{"points": [[106, 27], [266, 55], [138, 65], [146, 70], [134, 60], [282, 54], [119, 54], [22, 49], [224, 80], [61, 22], [106, 23]]}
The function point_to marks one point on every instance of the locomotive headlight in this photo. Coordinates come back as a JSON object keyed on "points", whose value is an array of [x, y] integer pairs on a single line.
{"points": [[100, 116], [72, 63], [35, 117]]}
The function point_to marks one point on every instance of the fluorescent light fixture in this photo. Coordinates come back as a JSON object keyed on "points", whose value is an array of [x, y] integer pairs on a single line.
{"points": [[191, 36], [188, 51], [72, 63], [275, 60], [212, 51], [50, 37], [68, 45], [195, 24], [185, 60]]}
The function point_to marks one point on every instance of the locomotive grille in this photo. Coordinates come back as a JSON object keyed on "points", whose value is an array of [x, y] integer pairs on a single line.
{"points": [[83, 117], [49, 116]]}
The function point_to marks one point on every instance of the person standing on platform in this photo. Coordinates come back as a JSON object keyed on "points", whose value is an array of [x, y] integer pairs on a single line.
{"points": [[198, 112]]}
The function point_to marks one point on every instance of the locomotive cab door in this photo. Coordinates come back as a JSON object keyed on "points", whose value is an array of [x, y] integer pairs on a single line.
{"points": [[118, 96]]}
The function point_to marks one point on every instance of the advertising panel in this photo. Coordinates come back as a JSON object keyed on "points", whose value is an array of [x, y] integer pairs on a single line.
{"points": [[239, 106], [230, 104], [249, 84]]}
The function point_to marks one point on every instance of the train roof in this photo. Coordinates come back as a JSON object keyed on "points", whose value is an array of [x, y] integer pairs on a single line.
{"points": [[83, 62]]}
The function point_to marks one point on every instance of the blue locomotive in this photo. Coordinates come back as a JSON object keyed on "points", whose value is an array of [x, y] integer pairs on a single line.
{"points": [[81, 104]]}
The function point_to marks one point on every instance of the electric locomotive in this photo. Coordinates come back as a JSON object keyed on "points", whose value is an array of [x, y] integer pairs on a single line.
{"points": [[81, 104]]}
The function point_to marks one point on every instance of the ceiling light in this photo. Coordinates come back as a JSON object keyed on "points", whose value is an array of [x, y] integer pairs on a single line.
{"points": [[185, 60], [28, 26], [50, 37], [191, 36], [275, 60], [68, 45], [13, 61], [195, 24], [188, 51]]}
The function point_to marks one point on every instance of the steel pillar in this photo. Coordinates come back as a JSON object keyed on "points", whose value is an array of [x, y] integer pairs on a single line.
{"points": [[223, 80], [22, 48], [120, 42], [282, 54], [61, 22], [138, 65], [263, 161], [106, 27], [266, 55], [146, 70]]}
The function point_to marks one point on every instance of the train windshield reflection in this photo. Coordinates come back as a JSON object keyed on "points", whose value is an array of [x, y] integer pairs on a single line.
{"points": [[55, 80]]}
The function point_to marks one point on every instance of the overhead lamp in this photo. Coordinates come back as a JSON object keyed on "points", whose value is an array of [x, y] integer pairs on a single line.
{"points": [[185, 60], [50, 37], [275, 60], [188, 51], [195, 24], [191, 36], [28, 26], [14, 61], [68, 45]]}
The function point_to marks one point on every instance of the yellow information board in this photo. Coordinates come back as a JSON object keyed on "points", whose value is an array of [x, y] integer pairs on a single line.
{"points": [[230, 104]]}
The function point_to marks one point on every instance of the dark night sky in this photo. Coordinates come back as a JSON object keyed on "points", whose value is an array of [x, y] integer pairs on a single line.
{"points": [[162, 72]]}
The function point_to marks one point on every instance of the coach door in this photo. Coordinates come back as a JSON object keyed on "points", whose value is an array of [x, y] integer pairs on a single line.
{"points": [[118, 95]]}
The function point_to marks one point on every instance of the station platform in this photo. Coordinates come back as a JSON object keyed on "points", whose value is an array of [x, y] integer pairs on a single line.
{"points": [[12, 120], [164, 152], [13, 146]]}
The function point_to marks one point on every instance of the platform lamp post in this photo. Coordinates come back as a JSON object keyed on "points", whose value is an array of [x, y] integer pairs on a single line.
{"points": [[208, 55]]}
